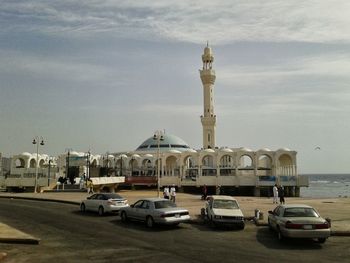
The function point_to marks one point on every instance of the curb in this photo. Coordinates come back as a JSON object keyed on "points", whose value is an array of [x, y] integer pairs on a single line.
{"points": [[41, 199], [30, 241]]}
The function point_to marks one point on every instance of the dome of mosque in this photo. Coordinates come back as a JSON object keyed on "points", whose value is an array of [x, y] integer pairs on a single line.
{"points": [[169, 142]]}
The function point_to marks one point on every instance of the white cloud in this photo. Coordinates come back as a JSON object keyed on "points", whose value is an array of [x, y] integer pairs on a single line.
{"points": [[195, 21]]}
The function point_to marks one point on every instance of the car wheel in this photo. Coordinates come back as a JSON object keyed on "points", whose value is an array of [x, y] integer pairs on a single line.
{"points": [[149, 222], [124, 217], [101, 211], [82, 208], [321, 240]]}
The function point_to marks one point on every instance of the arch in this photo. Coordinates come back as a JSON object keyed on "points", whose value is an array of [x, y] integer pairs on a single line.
{"points": [[245, 162], [41, 163], [264, 162], [93, 163], [171, 165], [20, 163], [208, 161], [226, 161], [285, 160], [189, 161], [32, 163]]}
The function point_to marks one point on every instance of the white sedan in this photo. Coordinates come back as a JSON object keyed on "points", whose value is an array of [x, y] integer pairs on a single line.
{"points": [[223, 210], [298, 221], [155, 211], [103, 203]]}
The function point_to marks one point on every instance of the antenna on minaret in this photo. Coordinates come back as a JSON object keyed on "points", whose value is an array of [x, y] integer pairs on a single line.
{"points": [[207, 43]]}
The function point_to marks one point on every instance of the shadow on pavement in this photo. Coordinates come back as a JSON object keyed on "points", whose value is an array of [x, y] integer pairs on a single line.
{"points": [[269, 239]]}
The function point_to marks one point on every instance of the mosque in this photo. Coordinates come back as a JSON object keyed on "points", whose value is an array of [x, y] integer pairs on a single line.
{"points": [[165, 159]]}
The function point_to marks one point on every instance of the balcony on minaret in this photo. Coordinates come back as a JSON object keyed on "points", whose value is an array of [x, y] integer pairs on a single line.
{"points": [[208, 76]]}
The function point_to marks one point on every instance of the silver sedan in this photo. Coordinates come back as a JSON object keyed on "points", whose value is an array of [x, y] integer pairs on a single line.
{"points": [[298, 221], [103, 203], [155, 211]]}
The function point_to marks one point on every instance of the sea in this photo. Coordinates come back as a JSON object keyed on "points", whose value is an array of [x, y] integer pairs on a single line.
{"points": [[327, 185]]}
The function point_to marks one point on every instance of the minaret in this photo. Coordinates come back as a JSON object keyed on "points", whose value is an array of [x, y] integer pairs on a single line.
{"points": [[208, 119]]}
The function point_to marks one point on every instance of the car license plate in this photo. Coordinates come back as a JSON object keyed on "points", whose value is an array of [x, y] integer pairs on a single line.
{"points": [[177, 215], [308, 227]]}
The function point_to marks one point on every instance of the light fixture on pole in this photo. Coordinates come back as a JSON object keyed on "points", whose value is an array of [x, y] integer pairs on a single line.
{"points": [[37, 140], [158, 136]]}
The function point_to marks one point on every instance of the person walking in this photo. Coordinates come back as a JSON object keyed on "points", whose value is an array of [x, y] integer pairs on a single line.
{"points": [[173, 193], [204, 192], [275, 194], [166, 192], [281, 195], [90, 186]]}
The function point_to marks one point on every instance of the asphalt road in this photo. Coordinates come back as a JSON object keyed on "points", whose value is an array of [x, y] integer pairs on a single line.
{"points": [[70, 236]]}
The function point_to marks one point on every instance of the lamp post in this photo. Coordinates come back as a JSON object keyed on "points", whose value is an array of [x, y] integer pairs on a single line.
{"points": [[36, 141], [88, 165], [121, 163], [158, 136], [48, 179], [68, 150]]}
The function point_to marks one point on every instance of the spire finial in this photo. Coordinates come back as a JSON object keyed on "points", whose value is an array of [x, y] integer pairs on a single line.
{"points": [[207, 43]]}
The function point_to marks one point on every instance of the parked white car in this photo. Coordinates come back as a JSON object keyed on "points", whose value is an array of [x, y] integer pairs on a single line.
{"points": [[155, 211], [223, 210], [103, 203], [299, 221]]}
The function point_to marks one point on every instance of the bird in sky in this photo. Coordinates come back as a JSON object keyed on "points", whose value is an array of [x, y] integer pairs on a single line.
{"points": [[317, 148]]}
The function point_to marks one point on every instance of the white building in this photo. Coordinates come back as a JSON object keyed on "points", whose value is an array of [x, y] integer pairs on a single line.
{"points": [[166, 159]]}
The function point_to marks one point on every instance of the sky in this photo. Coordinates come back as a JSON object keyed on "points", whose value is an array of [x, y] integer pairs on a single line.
{"points": [[105, 75]]}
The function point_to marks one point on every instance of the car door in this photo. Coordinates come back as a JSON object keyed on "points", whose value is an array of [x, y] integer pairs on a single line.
{"points": [[95, 203], [89, 202], [145, 210], [275, 215], [134, 210]]}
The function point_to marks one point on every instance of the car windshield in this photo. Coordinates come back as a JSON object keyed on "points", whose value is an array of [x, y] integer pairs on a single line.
{"points": [[225, 204], [164, 204], [300, 212], [113, 196]]}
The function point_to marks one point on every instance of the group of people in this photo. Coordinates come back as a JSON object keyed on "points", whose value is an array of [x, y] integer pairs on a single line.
{"points": [[170, 193], [278, 192]]}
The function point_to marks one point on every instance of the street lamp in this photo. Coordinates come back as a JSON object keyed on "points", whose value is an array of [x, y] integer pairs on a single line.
{"points": [[88, 165], [121, 163], [48, 180], [67, 163], [158, 136], [36, 141]]}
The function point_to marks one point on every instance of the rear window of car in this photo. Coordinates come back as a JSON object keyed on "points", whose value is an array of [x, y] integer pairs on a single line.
{"points": [[300, 212], [113, 196], [225, 204], [163, 204]]}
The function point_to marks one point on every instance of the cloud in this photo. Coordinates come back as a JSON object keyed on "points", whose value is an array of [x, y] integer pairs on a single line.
{"points": [[218, 21]]}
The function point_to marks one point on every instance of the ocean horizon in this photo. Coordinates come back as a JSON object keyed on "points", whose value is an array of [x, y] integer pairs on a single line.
{"points": [[326, 185]]}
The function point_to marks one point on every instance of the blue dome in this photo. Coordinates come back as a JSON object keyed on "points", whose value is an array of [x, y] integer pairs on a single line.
{"points": [[169, 142]]}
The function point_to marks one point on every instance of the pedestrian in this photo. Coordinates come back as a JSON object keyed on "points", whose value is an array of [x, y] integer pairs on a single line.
{"points": [[204, 192], [173, 193], [166, 192], [82, 181], [275, 194], [90, 186], [218, 190], [281, 194]]}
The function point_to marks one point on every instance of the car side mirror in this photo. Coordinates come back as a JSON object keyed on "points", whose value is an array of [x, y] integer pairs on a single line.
{"points": [[89, 197], [131, 205], [271, 213]]}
